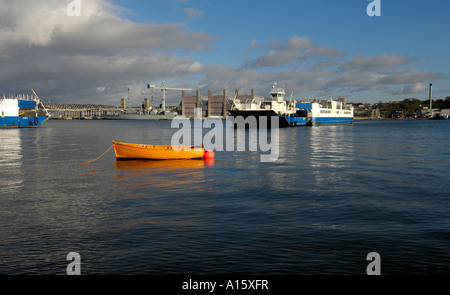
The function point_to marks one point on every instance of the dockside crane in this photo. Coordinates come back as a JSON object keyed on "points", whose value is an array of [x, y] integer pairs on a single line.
{"points": [[163, 89]]}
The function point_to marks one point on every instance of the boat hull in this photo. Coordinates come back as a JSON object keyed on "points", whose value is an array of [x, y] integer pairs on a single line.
{"points": [[283, 121], [332, 120], [20, 122], [291, 120], [130, 151], [17, 112]]}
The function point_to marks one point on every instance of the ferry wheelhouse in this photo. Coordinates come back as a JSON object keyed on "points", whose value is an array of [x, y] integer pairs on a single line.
{"points": [[293, 112]]}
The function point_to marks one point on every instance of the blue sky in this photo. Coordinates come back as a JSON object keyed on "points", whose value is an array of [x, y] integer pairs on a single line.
{"points": [[322, 48]]}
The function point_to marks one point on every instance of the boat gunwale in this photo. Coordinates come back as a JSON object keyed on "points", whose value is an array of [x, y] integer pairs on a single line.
{"points": [[164, 152], [161, 147]]}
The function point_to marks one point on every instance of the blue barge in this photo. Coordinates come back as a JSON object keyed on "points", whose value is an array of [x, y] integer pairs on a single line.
{"points": [[21, 111]]}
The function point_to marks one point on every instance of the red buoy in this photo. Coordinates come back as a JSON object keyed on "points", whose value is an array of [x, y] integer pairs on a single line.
{"points": [[209, 154], [208, 157]]}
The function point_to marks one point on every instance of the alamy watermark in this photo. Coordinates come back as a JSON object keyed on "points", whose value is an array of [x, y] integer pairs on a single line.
{"points": [[215, 139], [74, 8], [374, 8], [74, 267], [374, 267]]}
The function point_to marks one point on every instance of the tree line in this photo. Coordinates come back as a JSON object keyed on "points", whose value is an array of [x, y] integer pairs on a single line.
{"points": [[413, 105]]}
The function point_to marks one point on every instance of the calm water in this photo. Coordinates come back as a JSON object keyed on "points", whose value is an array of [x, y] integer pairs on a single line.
{"points": [[335, 194]]}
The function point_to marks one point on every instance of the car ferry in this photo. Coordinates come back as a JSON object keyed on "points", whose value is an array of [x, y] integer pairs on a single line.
{"points": [[293, 112]]}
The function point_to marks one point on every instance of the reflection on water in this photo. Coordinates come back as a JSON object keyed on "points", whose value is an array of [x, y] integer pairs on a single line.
{"points": [[140, 166], [331, 146], [10, 160], [332, 151], [335, 194], [10, 148], [159, 174]]}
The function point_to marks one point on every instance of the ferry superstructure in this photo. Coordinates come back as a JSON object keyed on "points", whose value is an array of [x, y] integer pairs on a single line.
{"points": [[22, 111], [293, 112]]}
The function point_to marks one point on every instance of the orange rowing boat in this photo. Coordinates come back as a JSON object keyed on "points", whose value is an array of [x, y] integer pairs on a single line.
{"points": [[156, 152]]}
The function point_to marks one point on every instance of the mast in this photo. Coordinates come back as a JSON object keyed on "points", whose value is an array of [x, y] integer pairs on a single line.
{"points": [[40, 102]]}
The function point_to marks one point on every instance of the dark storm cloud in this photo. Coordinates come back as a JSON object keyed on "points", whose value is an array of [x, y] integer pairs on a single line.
{"points": [[95, 56]]}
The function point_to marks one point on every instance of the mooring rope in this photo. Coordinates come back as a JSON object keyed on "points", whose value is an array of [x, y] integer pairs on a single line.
{"points": [[85, 163], [91, 160]]}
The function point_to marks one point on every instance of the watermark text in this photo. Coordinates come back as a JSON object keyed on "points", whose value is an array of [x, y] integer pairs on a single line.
{"points": [[74, 8], [374, 267], [229, 138], [74, 267], [374, 8]]}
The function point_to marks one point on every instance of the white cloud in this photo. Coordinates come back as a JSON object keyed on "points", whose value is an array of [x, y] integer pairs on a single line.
{"points": [[192, 13], [308, 67], [411, 89], [373, 63], [294, 49], [410, 76]]}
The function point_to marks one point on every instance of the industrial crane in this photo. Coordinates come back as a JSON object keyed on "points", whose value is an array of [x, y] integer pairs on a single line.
{"points": [[163, 89]]}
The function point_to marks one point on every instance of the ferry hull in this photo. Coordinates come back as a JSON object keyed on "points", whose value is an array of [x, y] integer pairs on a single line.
{"points": [[291, 121], [283, 121], [332, 120]]}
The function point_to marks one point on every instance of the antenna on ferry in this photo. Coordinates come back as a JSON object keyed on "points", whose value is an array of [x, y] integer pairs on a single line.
{"points": [[290, 99], [234, 101]]}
